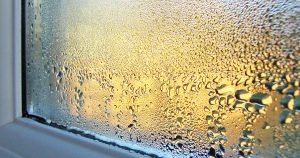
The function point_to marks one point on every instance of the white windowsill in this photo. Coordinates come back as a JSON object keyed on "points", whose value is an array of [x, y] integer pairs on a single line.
{"points": [[27, 138]]}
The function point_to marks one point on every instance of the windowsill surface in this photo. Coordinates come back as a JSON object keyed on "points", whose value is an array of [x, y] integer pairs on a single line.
{"points": [[27, 138]]}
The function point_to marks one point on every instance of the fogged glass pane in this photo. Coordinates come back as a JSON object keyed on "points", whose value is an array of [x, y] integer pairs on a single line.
{"points": [[176, 78]]}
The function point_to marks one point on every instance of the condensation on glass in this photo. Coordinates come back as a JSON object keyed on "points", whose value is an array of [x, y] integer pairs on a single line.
{"points": [[189, 78]]}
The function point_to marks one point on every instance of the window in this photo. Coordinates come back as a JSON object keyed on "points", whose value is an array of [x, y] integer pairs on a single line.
{"points": [[168, 78]]}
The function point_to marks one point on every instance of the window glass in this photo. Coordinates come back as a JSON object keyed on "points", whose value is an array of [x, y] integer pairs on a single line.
{"points": [[187, 78]]}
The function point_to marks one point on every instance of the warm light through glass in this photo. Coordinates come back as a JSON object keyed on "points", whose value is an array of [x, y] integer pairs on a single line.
{"points": [[187, 78]]}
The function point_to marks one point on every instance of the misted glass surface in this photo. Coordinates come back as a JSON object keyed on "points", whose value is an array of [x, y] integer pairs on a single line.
{"points": [[188, 78]]}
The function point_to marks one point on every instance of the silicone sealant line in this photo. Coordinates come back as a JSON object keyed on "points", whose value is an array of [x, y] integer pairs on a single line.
{"points": [[154, 153]]}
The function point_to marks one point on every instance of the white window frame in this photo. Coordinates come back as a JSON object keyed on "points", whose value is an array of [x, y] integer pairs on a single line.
{"points": [[22, 137]]}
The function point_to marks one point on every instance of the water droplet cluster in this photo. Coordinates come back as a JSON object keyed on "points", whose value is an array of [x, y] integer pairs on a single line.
{"points": [[190, 78]]}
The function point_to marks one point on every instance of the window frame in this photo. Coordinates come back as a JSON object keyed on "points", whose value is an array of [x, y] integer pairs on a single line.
{"points": [[21, 136]]}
